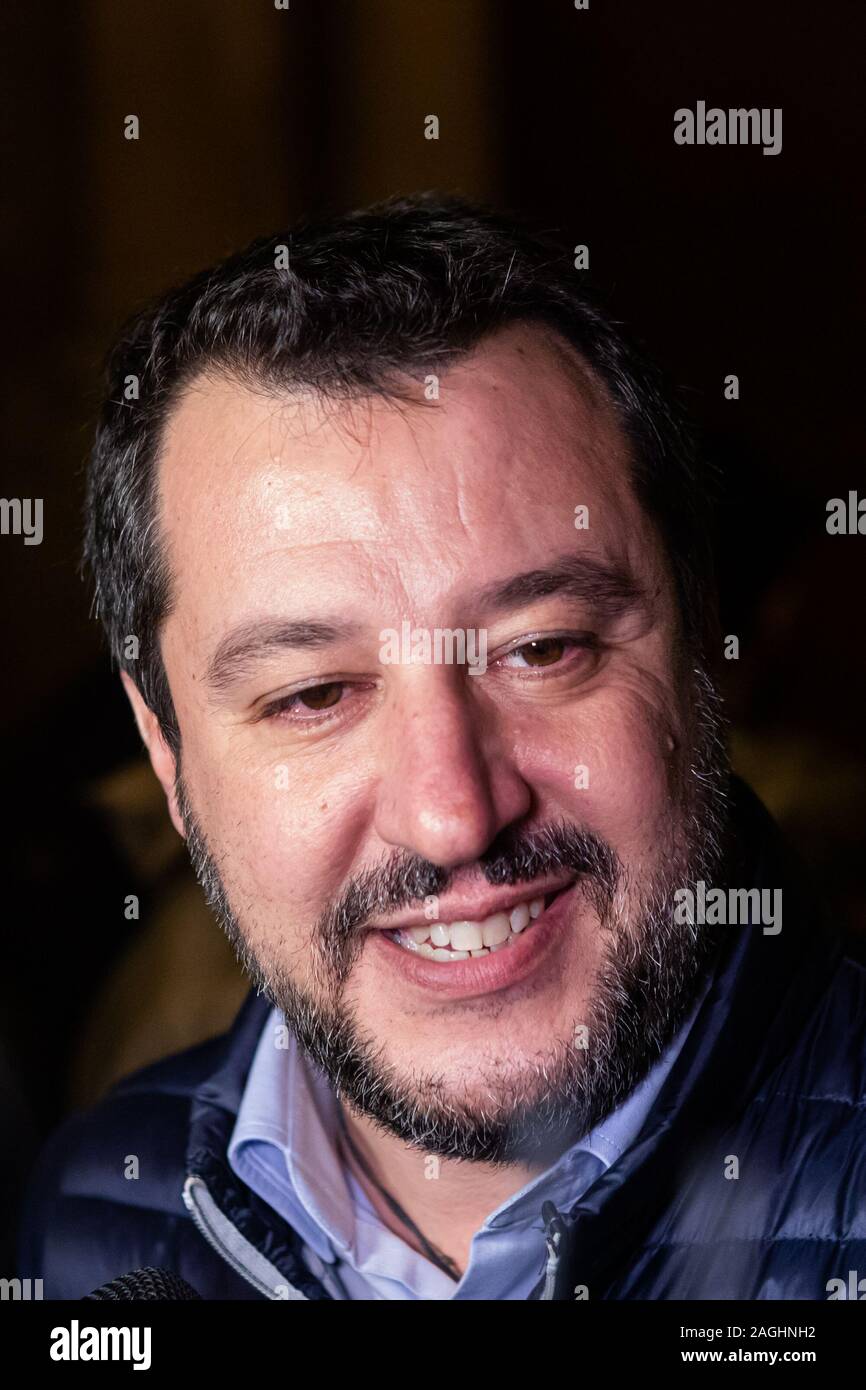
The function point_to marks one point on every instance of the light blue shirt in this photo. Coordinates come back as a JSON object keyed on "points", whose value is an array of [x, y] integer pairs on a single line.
{"points": [[284, 1148]]}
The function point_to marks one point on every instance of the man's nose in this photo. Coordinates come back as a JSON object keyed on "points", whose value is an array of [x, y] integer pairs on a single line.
{"points": [[448, 782]]}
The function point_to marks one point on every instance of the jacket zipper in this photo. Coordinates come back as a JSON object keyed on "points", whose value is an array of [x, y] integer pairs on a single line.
{"points": [[195, 1194]]}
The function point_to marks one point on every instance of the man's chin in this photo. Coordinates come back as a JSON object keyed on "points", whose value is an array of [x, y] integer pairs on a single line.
{"points": [[512, 1112], [481, 1104]]}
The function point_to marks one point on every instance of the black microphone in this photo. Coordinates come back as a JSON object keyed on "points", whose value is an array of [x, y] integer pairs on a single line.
{"points": [[146, 1283]]}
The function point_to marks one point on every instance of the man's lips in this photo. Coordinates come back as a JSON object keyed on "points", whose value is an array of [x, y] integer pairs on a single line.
{"points": [[465, 976], [477, 906]]}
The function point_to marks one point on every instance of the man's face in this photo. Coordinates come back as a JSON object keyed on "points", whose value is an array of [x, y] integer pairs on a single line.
{"points": [[332, 788]]}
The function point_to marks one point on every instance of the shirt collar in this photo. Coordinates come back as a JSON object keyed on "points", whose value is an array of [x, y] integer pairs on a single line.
{"points": [[288, 1107], [288, 1114]]}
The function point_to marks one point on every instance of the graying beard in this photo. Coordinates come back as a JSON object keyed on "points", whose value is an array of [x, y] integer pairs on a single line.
{"points": [[645, 987]]}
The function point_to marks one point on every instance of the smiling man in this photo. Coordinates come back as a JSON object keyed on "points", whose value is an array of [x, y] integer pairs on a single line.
{"points": [[486, 1056]]}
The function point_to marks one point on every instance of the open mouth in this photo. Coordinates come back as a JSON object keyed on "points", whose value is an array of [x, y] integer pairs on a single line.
{"points": [[450, 941]]}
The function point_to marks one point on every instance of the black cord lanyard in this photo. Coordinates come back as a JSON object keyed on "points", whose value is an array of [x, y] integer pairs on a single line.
{"points": [[443, 1262]]}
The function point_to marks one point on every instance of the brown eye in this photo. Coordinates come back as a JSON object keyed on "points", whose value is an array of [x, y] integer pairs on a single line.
{"points": [[321, 696], [544, 652]]}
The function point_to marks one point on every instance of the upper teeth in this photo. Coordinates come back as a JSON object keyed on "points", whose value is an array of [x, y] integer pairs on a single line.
{"points": [[459, 940]]}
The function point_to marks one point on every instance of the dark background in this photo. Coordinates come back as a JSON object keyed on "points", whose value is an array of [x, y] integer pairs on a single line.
{"points": [[722, 259]]}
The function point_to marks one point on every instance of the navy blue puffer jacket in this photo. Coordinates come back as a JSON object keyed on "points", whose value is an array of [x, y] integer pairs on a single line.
{"points": [[773, 1074]]}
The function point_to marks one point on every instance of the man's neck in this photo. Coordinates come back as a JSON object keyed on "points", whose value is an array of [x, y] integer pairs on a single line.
{"points": [[446, 1200]]}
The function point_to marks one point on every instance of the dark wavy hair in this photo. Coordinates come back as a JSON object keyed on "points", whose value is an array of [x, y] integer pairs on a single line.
{"points": [[345, 306]]}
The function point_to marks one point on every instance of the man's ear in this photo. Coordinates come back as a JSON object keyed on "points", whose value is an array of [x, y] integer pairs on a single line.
{"points": [[162, 759]]}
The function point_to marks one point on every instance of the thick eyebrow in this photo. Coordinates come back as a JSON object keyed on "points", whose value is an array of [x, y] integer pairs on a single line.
{"points": [[608, 589], [244, 646]]}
